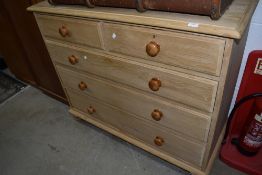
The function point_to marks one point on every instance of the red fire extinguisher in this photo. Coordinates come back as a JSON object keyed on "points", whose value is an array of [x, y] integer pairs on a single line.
{"points": [[250, 140], [251, 137], [242, 137]]}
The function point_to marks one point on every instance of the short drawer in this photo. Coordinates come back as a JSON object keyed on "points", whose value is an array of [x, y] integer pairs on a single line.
{"points": [[179, 119], [203, 54], [187, 89], [76, 31], [146, 132]]}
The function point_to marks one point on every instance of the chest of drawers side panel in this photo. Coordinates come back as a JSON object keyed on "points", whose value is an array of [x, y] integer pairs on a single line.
{"points": [[232, 61]]}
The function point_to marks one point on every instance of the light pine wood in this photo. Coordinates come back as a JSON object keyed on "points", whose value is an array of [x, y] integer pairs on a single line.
{"points": [[181, 120], [218, 106], [146, 131], [81, 32], [105, 126], [136, 59], [191, 90], [232, 61], [187, 81], [215, 152], [232, 24], [199, 53]]}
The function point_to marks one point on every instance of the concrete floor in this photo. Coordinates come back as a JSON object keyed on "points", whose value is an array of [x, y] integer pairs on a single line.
{"points": [[39, 137]]}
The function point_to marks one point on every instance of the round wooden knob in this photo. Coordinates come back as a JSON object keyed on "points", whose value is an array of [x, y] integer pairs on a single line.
{"points": [[154, 84], [82, 86], [63, 31], [152, 49], [73, 60], [157, 115], [159, 141], [91, 110]]}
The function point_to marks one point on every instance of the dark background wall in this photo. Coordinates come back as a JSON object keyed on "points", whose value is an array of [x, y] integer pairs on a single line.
{"points": [[23, 48]]}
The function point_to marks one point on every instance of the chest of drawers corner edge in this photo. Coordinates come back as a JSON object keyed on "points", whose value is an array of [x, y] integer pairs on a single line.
{"points": [[149, 78]]}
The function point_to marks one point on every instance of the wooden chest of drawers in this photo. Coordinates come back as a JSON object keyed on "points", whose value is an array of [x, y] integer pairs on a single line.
{"points": [[161, 81]]}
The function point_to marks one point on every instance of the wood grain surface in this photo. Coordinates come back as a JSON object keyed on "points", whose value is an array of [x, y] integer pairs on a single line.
{"points": [[232, 24], [191, 90], [191, 152], [199, 53], [181, 120], [119, 67], [82, 32]]}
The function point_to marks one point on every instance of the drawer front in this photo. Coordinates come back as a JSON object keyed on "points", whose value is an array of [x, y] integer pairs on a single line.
{"points": [[154, 109], [190, 90], [193, 52], [76, 31], [146, 132]]}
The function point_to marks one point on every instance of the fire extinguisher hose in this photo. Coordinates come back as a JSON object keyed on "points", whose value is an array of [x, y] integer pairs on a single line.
{"points": [[237, 105]]}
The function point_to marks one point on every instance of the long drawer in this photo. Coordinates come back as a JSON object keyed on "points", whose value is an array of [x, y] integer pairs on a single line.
{"points": [[203, 54], [187, 89], [76, 31], [181, 120], [146, 132]]}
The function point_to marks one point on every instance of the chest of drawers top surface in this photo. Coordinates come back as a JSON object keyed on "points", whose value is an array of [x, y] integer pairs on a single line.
{"points": [[232, 24]]}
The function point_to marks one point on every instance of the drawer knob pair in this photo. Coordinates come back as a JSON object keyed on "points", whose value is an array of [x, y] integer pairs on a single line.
{"points": [[82, 86], [157, 115], [64, 32], [154, 84], [73, 59], [152, 49], [91, 110], [159, 141]]}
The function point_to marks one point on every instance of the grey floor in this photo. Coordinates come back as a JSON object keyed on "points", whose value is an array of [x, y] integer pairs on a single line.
{"points": [[39, 137], [8, 86]]}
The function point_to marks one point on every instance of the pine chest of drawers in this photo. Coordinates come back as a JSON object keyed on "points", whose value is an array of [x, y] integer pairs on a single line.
{"points": [[161, 81]]}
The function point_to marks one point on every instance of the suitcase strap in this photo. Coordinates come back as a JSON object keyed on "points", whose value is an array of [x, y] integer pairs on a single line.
{"points": [[88, 3], [140, 4]]}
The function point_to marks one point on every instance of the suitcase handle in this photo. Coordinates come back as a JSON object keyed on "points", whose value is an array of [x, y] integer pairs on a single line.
{"points": [[140, 6], [89, 4], [51, 2]]}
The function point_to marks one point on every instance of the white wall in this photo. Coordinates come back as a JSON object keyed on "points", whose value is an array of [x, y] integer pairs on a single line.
{"points": [[254, 42]]}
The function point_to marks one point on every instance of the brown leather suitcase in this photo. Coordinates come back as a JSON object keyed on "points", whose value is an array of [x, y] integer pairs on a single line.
{"points": [[212, 8]]}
